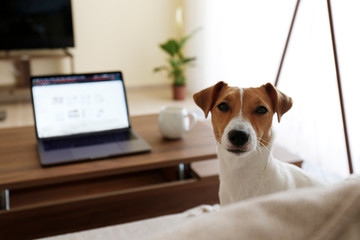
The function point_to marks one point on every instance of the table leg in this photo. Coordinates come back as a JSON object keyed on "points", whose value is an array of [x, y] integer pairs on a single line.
{"points": [[4, 200]]}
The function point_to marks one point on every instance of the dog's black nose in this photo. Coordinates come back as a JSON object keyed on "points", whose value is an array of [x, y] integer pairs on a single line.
{"points": [[238, 138]]}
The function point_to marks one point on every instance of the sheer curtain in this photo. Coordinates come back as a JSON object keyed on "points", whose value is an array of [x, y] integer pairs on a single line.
{"points": [[241, 42]]}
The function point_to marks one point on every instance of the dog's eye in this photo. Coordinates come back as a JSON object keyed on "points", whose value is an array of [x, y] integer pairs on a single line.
{"points": [[224, 107], [261, 110]]}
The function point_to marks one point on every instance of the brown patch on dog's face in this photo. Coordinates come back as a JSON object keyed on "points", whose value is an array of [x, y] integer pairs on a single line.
{"points": [[257, 109], [226, 107]]}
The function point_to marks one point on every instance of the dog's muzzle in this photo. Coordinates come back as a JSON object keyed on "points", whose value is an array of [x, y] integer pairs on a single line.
{"points": [[238, 139]]}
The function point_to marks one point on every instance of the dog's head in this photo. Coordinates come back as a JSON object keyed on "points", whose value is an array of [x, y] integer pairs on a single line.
{"points": [[242, 117]]}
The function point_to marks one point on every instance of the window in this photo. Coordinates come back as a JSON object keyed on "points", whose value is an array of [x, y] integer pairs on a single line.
{"points": [[242, 43]]}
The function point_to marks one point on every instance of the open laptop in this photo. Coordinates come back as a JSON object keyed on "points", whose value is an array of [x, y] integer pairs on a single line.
{"points": [[82, 117]]}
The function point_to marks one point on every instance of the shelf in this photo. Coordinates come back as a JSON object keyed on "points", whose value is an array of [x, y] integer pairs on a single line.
{"points": [[22, 63]]}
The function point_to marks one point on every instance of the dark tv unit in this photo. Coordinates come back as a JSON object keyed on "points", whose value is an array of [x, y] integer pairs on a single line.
{"points": [[36, 24]]}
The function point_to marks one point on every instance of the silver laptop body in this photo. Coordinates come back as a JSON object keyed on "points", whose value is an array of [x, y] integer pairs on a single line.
{"points": [[82, 117]]}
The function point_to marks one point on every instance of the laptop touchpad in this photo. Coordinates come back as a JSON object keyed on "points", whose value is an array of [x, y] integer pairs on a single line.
{"points": [[97, 151]]}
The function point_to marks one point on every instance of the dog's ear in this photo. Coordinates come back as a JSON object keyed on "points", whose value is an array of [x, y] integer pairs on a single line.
{"points": [[281, 102], [206, 98]]}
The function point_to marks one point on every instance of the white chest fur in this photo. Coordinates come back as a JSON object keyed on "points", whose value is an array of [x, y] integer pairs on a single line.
{"points": [[257, 174]]}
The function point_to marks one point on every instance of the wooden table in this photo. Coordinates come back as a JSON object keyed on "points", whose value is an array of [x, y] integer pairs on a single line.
{"points": [[78, 196]]}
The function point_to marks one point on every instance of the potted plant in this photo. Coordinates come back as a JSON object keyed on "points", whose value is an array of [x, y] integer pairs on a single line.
{"points": [[176, 65]]}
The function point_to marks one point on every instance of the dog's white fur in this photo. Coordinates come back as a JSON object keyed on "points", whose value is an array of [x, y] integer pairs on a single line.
{"points": [[255, 171], [257, 174]]}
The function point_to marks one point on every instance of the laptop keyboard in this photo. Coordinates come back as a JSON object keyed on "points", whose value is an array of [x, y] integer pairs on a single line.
{"points": [[87, 140]]}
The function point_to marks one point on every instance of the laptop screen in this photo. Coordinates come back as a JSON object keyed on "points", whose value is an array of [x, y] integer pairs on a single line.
{"points": [[75, 104]]}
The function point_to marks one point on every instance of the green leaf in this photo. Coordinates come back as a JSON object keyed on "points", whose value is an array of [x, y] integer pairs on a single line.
{"points": [[186, 38], [171, 47], [188, 60], [158, 69], [183, 41], [174, 63], [180, 80]]}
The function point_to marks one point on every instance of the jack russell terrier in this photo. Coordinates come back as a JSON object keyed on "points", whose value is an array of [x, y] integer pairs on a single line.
{"points": [[242, 119]]}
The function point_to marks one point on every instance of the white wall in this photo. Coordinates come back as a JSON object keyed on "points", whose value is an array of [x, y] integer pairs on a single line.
{"points": [[113, 35]]}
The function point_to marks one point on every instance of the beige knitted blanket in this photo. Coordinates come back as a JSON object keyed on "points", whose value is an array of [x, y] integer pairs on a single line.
{"points": [[325, 213]]}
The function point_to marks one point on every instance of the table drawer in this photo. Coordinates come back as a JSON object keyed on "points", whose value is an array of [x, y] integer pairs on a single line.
{"points": [[80, 205]]}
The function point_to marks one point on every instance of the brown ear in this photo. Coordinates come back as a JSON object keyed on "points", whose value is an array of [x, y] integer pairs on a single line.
{"points": [[206, 98], [281, 102]]}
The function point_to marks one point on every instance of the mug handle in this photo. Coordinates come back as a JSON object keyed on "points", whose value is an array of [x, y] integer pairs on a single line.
{"points": [[194, 117]]}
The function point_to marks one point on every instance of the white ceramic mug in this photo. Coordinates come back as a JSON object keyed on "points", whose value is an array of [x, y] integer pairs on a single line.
{"points": [[175, 121]]}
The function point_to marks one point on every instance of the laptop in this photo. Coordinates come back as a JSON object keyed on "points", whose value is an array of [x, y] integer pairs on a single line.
{"points": [[82, 117]]}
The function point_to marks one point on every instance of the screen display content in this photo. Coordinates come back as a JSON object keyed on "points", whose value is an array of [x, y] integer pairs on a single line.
{"points": [[79, 104]]}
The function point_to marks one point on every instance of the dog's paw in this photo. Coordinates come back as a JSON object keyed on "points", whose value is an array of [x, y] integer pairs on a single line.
{"points": [[199, 210]]}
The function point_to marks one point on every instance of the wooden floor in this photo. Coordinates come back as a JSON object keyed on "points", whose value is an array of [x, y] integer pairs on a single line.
{"points": [[141, 101]]}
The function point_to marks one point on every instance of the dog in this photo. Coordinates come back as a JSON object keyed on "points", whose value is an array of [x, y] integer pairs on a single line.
{"points": [[242, 124]]}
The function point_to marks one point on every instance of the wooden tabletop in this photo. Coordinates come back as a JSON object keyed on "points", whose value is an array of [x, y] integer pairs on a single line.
{"points": [[20, 165]]}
